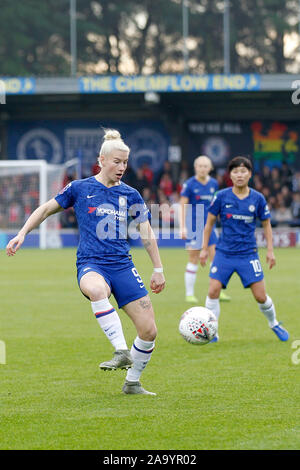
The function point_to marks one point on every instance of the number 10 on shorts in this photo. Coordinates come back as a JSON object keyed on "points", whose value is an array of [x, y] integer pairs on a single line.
{"points": [[256, 266]]}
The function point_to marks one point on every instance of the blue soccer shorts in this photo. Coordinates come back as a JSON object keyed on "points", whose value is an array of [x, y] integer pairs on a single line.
{"points": [[247, 267], [123, 279], [195, 244]]}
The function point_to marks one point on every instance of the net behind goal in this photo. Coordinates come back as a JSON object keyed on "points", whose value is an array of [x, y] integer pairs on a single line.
{"points": [[25, 185]]}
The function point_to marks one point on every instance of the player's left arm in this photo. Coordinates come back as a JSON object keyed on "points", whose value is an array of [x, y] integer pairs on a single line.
{"points": [[157, 282], [269, 239]]}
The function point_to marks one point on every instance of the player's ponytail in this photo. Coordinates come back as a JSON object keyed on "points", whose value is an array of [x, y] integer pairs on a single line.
{"points": [[111, 134], [112, 140]]}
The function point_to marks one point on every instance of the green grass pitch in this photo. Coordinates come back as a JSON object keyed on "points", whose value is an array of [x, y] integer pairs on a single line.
{"points": [[241, 393]]}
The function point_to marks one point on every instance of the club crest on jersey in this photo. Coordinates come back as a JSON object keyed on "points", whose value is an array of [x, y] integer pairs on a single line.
{"points": [[251, 208], [122, 201]]}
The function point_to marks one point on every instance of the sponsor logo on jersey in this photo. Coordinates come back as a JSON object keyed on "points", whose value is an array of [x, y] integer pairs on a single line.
{"points": [[106, 211], [207, 197], [248, 219]]}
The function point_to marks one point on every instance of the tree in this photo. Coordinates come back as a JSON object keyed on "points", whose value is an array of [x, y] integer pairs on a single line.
{"points": [[121, 37]]}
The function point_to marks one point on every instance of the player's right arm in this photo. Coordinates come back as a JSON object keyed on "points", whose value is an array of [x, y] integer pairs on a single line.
{"points": [[36, 218], [210, 222], [182, 218]]}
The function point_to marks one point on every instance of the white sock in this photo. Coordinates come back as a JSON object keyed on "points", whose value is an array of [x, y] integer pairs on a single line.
{"points": [[110, 322], [213, 305], [141, 352], [269, 312], [190, 278]]}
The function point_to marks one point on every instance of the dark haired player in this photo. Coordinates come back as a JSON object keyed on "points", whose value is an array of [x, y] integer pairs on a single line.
{"points": [[239, 207]]}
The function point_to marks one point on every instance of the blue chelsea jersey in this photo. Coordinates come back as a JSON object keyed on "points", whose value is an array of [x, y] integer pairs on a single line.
{"points": [[238, 220], [103, 215], [198, 193]]}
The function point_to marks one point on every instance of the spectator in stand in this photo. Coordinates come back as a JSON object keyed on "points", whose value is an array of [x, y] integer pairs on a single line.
{"points": [[220, 179], [296, 181], [272, 204], [266, 175], [265, 191], [283, 214], [95, 168], [274, 183], [140, 181], [15, 214], [275, 188], [148, 173], [295, 207], [227, 179], [27, 207], [166, 184], [183, 176], [286, 175], [146, 195], [287, 196], [68, 218], [129, 176], [166, 169], [257, 183]]}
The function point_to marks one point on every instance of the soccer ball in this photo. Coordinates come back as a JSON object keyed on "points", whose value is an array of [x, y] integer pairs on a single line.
{"points": [[198, 325]]}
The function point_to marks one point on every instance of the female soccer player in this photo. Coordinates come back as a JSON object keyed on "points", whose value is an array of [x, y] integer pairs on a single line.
{"points": [[199, 189], [103, 204], [239, 207]]}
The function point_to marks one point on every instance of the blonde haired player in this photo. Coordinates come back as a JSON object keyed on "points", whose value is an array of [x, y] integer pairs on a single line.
{"points": [[102, 204], [199, 189]]}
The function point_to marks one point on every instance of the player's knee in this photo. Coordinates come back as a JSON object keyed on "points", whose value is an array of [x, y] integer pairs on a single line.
{"points": [[149, 332], [96, 292], [214, 292], [194, 257], [260, 298]]}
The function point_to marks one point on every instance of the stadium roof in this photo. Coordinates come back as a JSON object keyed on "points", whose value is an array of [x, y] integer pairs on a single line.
{"points": [[156, 83]]}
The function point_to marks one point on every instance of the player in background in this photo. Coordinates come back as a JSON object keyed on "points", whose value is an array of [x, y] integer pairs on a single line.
{"points": [[239, 208], [102, 204], [199, 189]]}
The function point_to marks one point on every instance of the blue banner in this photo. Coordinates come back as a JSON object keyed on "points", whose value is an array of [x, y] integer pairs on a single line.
{"points": [[19, 86], [58, 141], [168, 83]]}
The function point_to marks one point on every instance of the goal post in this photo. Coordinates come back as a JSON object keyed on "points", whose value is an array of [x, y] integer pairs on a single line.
{"points": [[25, 185]]}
